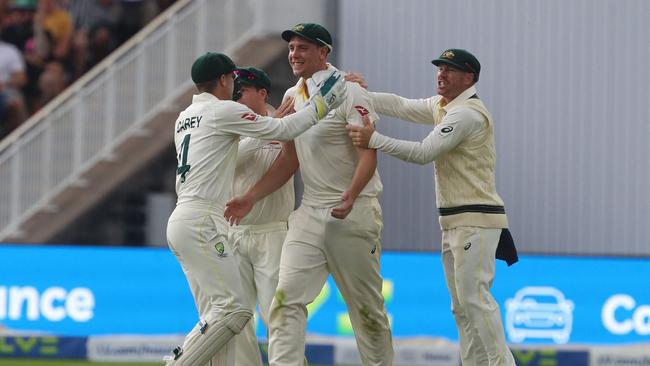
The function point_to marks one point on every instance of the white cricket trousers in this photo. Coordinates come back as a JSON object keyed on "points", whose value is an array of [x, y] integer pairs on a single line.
{"points": [[197, 235], [258, 248], [469, 264], [316, 245]]}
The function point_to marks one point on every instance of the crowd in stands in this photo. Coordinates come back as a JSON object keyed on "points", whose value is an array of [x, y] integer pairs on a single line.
{"points": [[45, 45]]}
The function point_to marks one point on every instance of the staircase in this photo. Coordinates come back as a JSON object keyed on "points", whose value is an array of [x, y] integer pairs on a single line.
{"points": [[109, 125]]}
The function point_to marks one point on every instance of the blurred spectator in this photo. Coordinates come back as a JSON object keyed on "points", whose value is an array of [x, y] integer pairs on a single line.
{"points": [[95, 22], [132, 19], [53, 31], [12, 78], [51, 82], [59, 40], [17, 23]]}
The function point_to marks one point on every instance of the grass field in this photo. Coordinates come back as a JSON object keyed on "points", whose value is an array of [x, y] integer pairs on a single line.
{"points": [[26, 362]]}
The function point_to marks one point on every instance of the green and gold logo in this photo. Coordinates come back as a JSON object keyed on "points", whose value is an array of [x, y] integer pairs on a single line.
{"points": [[221, 249], [448, 55], [298, 28]]}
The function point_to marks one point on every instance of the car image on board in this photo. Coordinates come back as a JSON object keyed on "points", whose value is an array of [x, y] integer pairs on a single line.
{"points": [[539, 312]]}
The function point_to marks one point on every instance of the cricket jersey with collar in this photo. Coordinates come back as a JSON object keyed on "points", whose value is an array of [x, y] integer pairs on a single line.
{"points": [[258, 239], [462, 145], [318, 244], [206, 135], [331, 157], [472, 216]]}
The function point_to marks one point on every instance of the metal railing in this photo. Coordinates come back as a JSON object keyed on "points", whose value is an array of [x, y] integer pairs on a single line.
{"points": [[111, 103]]}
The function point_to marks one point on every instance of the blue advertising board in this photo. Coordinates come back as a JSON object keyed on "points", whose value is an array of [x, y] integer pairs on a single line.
{"points": [[80, 291], [42, 347]]}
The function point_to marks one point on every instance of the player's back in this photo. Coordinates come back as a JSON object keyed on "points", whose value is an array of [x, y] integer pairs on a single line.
{"points": [[206, 155]]}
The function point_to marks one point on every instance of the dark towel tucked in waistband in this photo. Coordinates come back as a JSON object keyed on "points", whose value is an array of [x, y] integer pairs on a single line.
{"points": [[506, 250]]}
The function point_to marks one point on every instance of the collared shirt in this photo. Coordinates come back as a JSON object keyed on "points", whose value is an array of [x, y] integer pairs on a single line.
{"points": [[452, 125], [206, 135], [327, 157], [462, 146]]}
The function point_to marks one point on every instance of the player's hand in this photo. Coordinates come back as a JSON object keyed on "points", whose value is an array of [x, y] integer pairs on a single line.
{"points": [[360, 135], [329, 96], [237, 208], [285, 109], [344, 210], [355, 77]]}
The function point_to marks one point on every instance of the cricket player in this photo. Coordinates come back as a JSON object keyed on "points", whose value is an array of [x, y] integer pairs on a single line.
{"points": [[472, 215], [206, 135], [338, 225], [258, 238]]}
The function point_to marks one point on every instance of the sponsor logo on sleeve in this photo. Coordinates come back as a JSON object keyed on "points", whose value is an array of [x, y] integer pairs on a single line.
{"points": [[249, 116], [362, 111]]}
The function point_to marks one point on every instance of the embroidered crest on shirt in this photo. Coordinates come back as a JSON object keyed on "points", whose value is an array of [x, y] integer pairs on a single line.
{"points": [[362, 111], [221, 250], [249, 116]]}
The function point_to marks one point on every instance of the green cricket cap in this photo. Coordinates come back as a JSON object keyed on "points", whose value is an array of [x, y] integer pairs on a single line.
{"points": [[210, 66], [460, 59], [253, 76], [312, 32]]}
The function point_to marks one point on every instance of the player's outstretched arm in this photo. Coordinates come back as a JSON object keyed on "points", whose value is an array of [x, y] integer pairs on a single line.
{"points": [[414, 110], [442, 139], [331, 94]]}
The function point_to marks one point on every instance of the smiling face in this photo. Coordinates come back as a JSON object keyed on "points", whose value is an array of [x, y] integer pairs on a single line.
{"points": [[452, 81], [306, 58]]}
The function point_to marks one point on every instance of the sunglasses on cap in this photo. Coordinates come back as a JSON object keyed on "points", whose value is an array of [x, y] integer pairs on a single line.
{"points": [[244, 75]]}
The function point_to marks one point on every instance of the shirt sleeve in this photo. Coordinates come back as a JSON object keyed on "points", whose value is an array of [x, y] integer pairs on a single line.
{"points": [[414, 110], [237, 119], [456, 126], [357, 105]]}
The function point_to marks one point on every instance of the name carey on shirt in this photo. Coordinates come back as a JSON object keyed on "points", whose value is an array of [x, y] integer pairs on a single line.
{"points": [[187, 123]]}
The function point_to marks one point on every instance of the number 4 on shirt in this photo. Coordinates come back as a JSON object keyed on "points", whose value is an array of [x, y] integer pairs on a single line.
{"points": [[183, 168]]}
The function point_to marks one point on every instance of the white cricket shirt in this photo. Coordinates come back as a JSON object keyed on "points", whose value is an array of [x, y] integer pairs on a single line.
{"points": [[254, 159], [327, 157], [206, 135]]}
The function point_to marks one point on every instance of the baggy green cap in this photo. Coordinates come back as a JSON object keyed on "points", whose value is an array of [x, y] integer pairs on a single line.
{"points": [[460, 59], [312, 32], [253, 76], [210, 66]]}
